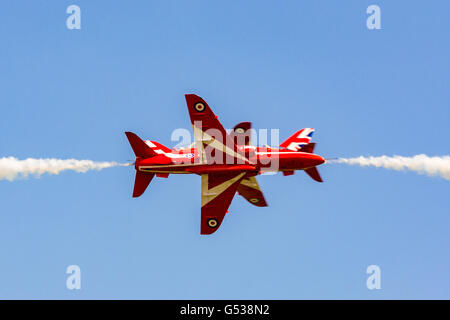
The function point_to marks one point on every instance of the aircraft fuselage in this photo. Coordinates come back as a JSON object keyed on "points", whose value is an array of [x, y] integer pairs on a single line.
{"points": [[262, 159]]}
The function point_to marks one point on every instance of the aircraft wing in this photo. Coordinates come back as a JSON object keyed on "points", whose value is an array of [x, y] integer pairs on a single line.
{"points": [[214, 144], [250, 190], [218, 191], [241, 133]]}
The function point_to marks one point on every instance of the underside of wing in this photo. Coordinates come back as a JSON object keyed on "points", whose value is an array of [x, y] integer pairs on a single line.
{"points": [[250, 190], [218, 191], [214, 144]]}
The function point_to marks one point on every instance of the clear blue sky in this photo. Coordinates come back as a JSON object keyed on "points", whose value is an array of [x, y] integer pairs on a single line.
{"points": [[280, 64]]}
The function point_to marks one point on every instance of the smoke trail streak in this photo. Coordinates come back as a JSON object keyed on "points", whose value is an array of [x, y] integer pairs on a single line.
{"points": [[423, 164], [12, 168]]}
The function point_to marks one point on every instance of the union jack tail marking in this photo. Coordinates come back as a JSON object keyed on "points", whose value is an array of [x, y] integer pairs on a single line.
{"points": [[298, 139]]}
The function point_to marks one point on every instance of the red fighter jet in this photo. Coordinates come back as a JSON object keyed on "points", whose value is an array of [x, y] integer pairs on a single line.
{"points": [[226, 162]]}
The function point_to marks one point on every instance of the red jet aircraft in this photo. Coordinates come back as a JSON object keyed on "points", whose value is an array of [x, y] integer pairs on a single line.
{"points": [[226, 162]]}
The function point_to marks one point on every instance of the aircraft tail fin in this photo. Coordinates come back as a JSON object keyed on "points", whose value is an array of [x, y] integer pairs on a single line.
{"points": [[140, 148], [298, 139], [141, 182], [158, 147]]}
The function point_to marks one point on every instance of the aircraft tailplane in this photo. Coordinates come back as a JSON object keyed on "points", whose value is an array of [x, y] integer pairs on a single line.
{"points": [[308, 148], [141, 182], [314, 174]]}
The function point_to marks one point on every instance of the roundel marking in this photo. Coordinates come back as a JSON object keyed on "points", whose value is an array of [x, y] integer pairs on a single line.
{"points": [[212, 223], [199, 106], [254, 200], [239, 130]]}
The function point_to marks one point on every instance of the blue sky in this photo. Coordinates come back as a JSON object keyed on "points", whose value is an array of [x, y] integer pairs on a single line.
{"points": [[280, 64]]}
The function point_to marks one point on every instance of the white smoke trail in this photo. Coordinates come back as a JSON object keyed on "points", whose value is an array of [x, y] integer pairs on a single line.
{"points": [[423, 164], [12, 168]]}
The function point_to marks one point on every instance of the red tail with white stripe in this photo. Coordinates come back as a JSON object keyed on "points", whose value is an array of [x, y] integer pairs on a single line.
{"points": [[144, 150], [298, 139]]}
